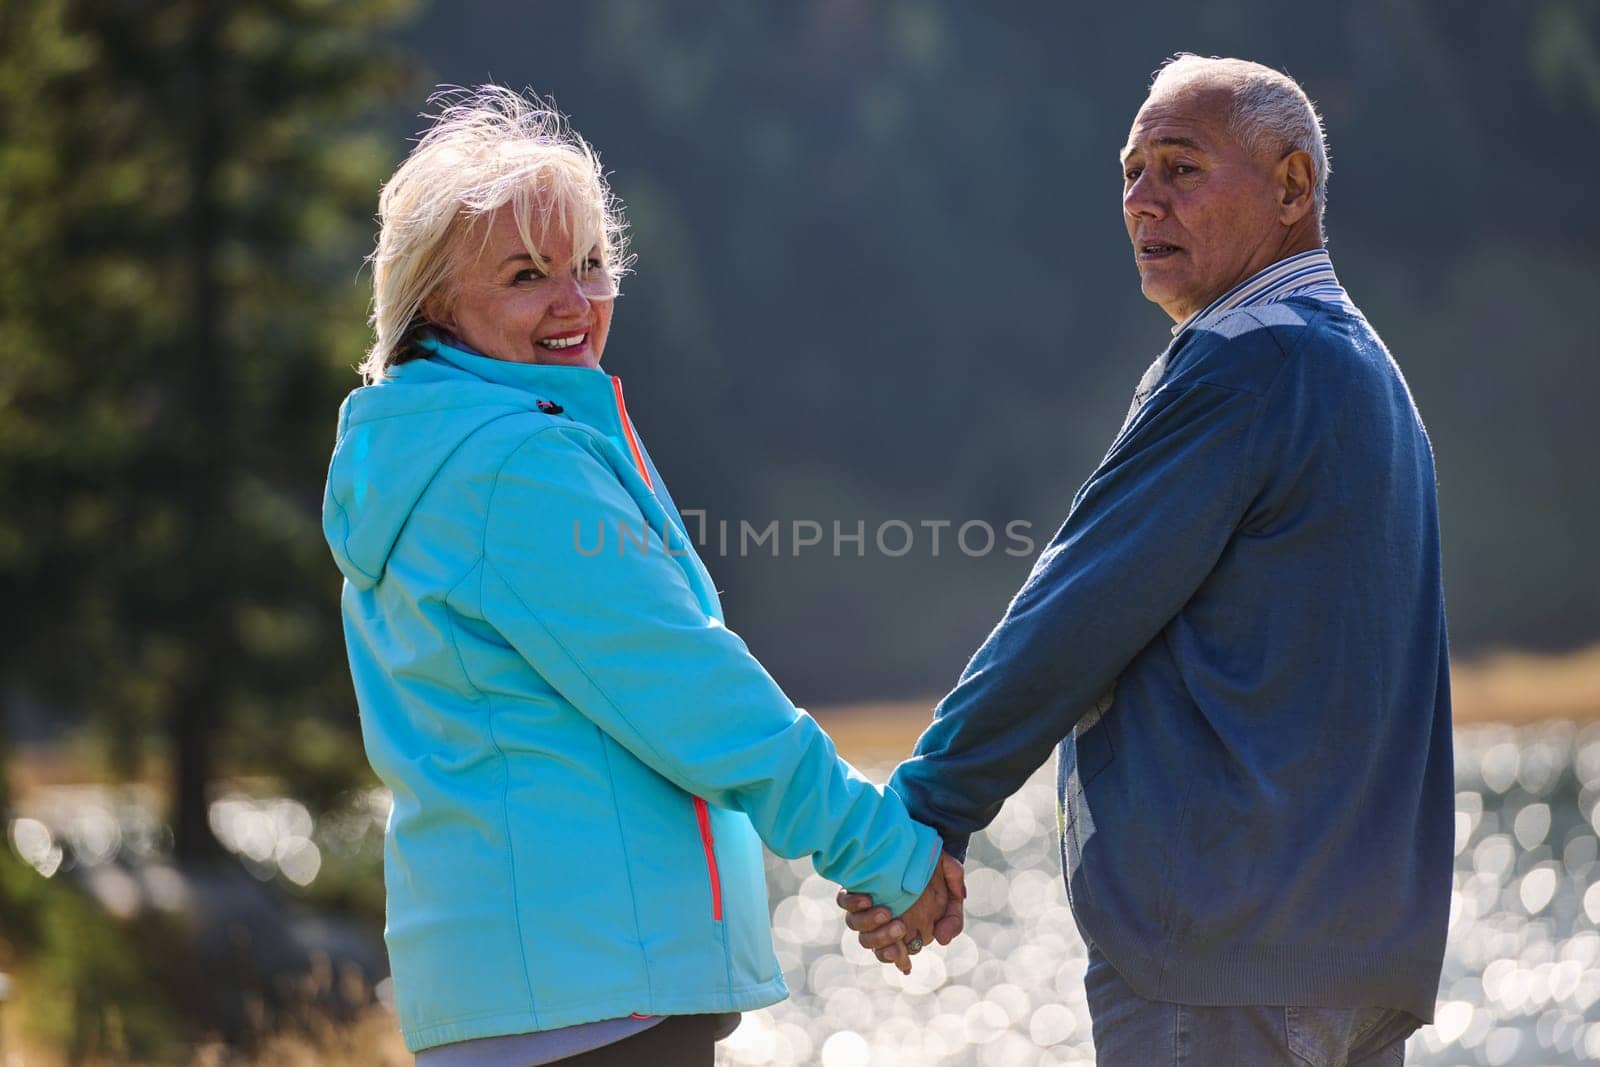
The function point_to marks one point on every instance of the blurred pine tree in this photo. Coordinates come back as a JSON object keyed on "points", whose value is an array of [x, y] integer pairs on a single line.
{"points": [[184, 191]]}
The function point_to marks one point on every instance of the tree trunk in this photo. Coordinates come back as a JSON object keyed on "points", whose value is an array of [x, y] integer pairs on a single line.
{"points": [[200, 696], [5, 771]]}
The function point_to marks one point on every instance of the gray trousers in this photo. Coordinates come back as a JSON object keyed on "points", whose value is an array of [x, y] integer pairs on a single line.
{"points": [[1130, 1031]]}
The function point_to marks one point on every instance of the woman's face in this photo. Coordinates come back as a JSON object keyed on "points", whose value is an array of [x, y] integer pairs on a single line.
{"points": [[510, 306]]}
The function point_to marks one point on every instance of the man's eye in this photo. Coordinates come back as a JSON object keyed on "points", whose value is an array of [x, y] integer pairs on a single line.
{"points": [[1185, 168], [1132, 173]]}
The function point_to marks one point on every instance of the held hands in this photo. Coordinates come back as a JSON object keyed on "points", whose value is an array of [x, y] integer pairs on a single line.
{"points": [[936, 916]]}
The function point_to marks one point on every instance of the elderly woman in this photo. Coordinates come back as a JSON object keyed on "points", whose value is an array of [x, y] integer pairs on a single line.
{"points": [[583, 758]]}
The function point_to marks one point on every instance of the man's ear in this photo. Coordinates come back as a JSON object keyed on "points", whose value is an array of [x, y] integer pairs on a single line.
{"points": [[1296, 179]]}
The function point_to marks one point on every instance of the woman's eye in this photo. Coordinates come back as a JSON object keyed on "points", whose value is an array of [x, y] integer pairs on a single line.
{"points": [[594, 263], [526, 277]]}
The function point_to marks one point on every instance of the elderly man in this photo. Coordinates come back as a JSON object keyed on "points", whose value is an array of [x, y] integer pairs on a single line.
{"points": [[1237, 638]]}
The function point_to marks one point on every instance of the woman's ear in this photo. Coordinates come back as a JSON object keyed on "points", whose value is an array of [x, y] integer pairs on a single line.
{"points": [[439, 309]]}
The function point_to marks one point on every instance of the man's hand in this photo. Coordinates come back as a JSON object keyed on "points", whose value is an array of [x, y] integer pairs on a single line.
{"points": [[937, 915]]}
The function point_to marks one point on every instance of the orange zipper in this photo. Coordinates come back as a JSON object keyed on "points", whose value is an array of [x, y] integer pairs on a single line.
{"points": [[702, 813], [627, 430], [709, 843]]}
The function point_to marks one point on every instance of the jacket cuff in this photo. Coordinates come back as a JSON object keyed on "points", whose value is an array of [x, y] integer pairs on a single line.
{"points": [[956, 845], [918, 873]]}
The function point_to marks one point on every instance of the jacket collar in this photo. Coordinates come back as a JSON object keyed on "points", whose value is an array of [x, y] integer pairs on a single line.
{"points": [[583, 394]]}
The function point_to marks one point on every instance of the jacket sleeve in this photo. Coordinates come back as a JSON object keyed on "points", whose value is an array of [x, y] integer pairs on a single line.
{"points": [[620, 634], [1142, 535]]}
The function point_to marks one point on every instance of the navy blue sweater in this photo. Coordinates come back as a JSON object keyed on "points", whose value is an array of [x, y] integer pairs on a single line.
{"points": [[1237, 639]]}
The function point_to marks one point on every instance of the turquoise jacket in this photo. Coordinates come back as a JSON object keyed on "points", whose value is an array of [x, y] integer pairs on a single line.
{"points": [[584, 759]]}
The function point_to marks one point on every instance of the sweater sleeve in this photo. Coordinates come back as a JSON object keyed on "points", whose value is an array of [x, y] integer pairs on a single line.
{"points": [[621, 635], [1141, 537]]}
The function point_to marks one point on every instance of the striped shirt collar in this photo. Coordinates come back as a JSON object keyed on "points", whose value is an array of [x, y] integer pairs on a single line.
{"points": [[1305, 274]]}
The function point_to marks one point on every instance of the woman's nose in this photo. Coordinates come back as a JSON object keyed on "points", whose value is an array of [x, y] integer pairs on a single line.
{"points": [[569, 297]]}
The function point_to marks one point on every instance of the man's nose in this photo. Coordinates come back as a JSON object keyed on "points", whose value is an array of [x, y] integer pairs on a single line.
{"points": [[1142, 200]]}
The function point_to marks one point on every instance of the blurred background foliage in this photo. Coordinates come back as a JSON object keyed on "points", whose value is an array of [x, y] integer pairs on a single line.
{"points": [[187, 189], [881, 276]]}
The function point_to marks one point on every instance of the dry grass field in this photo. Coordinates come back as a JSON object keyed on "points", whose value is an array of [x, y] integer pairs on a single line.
{"points": [[1516, 688]]}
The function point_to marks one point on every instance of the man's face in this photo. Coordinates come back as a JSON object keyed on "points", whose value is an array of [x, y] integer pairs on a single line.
{"points": [[1203, 215]]}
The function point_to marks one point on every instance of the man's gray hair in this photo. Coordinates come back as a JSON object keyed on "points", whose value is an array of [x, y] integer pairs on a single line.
{"points": [[1271, 114]]}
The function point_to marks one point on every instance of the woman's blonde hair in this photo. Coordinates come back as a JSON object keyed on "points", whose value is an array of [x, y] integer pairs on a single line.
{"points": [[485, 148]]}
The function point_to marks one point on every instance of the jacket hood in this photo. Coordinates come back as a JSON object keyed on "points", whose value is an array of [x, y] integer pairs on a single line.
{"points": [[393, 438]]}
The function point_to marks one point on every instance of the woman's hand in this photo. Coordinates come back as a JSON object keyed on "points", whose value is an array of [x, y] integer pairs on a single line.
{"points": [[937, 915]]}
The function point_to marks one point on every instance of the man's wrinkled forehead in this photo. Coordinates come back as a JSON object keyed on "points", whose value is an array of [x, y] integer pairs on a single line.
{"points": [[1191, 115]]}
